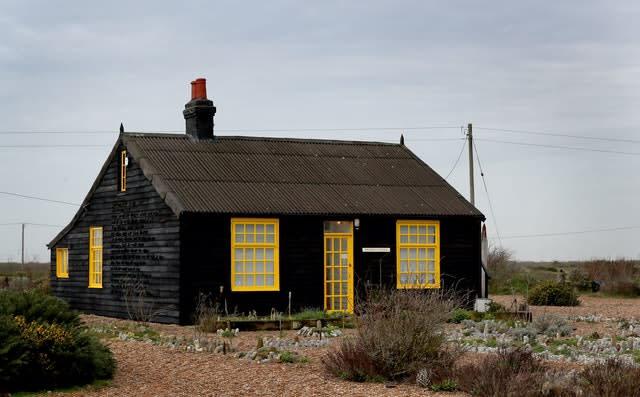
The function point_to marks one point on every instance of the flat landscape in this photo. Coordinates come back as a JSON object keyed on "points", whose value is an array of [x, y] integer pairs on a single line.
{"points": [[161, 360]]}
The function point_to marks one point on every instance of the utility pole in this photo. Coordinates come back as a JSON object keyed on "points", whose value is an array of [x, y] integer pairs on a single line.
{"points": [[471, 184], [22, 248]]}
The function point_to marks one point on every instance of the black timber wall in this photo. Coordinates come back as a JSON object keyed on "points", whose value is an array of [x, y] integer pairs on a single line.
{"points": [[206, 251], [140, 246]]}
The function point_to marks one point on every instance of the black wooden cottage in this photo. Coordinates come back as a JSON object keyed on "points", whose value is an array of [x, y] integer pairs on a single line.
{"points": [[258, 221]]}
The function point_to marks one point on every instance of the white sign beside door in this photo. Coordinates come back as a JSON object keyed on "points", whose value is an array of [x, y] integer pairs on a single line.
{"points": [[376, 249]]}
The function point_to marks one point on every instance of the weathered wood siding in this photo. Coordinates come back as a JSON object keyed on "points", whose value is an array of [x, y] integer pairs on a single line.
{"points": [[206, 257], [141, 248]]}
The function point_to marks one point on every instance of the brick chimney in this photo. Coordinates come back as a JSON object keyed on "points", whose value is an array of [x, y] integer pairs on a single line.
{"points": [[199, 111]]}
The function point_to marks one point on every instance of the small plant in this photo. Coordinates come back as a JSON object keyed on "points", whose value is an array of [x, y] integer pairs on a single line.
{"points": [[460, 314], [445, 385], [551, 325], [287, 357], [550, 293]]}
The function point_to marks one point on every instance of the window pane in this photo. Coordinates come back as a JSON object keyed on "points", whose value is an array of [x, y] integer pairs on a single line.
{"points": [[269, 252], [403, 278], [404, 266], [329, 273], [238, 280], [432, 266], [422, 253], [248, 266], [269, 280], [336, 288], [412, 253], [345, 259], [422, 229], [345, 289], [431, 253], [249, 280], [336, 260], [259, 267], [422, 239], [270, 228], [412, 279], [431, 240], [336, 303], [344, 273], [404, 229], [270, 239], [336, 273], [432, 230], [238, 254], [327, 245], [259, 254], [344, 304], [238, 267], [269, 267], [413, 239], [239, 238], [422, 267], [259, 238], [404, 239], [260, 280], [404, 253], [432, 279], [239, 228], [248, 254], [328, 290], [249, 229], [260, 229], [343, 242], [412, 266], [248, 238], [422, 279], [413, 229], [336, 244]]}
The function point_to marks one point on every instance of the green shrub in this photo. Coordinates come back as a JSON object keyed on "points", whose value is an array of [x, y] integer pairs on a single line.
{"points": [[550, 293], [44, 346], [460, 314], [399, 332]]}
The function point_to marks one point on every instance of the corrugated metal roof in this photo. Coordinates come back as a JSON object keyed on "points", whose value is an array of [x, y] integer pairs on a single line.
{"points": [[293, 176]]}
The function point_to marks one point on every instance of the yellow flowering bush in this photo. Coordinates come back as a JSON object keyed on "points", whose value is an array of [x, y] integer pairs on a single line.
{"points": [[44, 346]]}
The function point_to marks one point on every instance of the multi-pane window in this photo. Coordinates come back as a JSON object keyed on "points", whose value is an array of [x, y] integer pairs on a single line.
{"points": [[254, 255], [62, 262], [418, 255], [95, 257], [123, 171]]}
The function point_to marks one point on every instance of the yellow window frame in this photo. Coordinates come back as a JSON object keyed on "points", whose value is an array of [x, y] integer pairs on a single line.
{"points": [[123, 171], [62, 262], [95, 256], [417, 254], [251, 244]]}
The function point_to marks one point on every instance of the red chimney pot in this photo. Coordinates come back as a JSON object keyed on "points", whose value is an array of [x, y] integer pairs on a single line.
{"points": [[199, 88]]}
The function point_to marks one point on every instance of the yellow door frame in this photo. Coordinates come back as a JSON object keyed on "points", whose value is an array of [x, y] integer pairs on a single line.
{"points": [[330, 279]]}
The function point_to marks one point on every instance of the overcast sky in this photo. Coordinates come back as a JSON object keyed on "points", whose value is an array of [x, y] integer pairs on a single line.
{"points": [[352, 69]]}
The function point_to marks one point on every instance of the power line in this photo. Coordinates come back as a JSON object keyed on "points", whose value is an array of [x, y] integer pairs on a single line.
{"points": [[29, 224], [16, 132], [561, 147], [613, 229], [595, 138], [464, 144], [39, 198], [484, 182]]}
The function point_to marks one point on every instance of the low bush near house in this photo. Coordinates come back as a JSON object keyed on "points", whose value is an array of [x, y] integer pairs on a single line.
{"points": [[511, 373], [44, 346], [550, 293], [399, 332]]}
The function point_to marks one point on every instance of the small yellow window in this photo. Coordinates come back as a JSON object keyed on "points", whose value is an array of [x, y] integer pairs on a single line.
{"points": [[254, 255], [418, 254], [62, 262], [95, 257], [123, 171]]}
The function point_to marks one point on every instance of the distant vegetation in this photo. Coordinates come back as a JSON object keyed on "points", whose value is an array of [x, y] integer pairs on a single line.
{"points": [[15, 276], [611, 277]]}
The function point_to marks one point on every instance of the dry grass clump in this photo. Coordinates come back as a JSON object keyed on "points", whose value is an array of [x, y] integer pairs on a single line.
{"points": [[612, 378], [399, 332], [619, 276]]}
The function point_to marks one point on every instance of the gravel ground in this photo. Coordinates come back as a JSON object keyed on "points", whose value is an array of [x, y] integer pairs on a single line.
{"points": [[146, 369]]}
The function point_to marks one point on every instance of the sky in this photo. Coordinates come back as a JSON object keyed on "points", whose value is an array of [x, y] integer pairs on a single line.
{"points": [[552, 90]]}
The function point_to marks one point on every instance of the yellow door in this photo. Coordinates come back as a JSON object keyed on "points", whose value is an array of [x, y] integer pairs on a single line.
{"points": [[338, 266]]}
